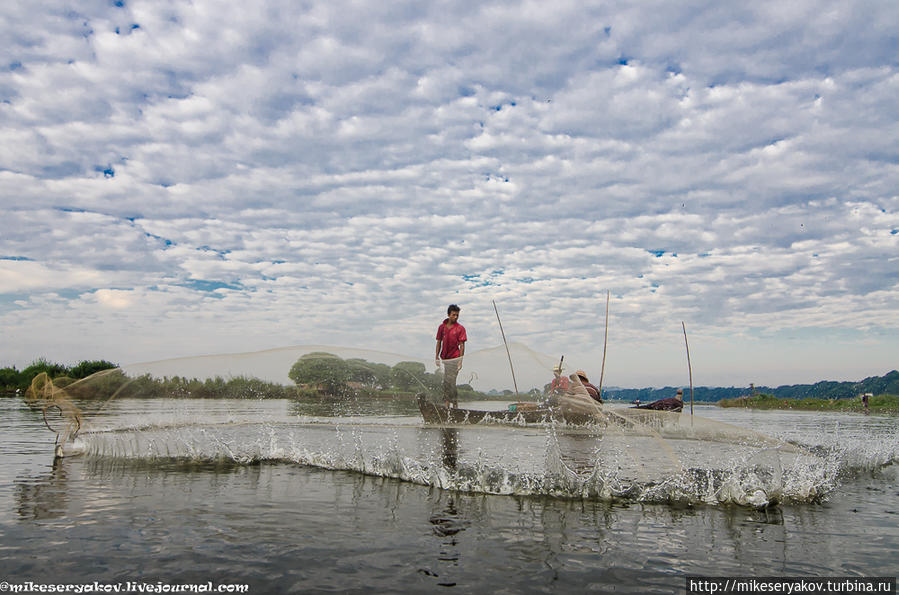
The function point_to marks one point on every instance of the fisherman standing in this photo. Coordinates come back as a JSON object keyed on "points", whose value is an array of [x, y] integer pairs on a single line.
{"points": [[451, 340]]}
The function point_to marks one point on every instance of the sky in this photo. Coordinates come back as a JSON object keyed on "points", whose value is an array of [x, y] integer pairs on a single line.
{"points": [[209, 177]]}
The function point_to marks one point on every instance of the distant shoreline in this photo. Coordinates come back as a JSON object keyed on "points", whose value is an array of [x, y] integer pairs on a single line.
{"points": [[882, 404]]}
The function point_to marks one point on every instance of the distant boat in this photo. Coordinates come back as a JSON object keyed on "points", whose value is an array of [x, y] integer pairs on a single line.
{"points": [[669, 404]]}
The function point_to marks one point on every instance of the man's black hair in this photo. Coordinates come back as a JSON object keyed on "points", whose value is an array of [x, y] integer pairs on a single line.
{"points": [[453, 308]]}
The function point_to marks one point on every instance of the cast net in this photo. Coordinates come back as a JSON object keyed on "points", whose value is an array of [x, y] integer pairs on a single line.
{"points": [[373, 412]]}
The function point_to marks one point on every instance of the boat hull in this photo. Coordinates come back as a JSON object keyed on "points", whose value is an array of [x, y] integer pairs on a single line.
{"points": [[434, 413]]}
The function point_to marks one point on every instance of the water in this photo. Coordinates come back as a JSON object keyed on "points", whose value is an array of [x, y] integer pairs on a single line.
{"points": [[297, 497]]}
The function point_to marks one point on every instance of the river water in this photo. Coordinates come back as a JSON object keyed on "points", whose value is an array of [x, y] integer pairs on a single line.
{"points": [[286, 497]]}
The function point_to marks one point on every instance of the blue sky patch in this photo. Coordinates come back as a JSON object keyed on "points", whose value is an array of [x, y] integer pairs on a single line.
{"points": [[221, 253], [209, 286], [165, 241], [477, 281]]}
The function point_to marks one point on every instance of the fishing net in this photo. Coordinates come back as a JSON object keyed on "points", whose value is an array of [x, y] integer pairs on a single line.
{"points": [[368, 411]]}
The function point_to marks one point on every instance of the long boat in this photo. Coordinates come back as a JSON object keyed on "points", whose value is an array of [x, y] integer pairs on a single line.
{"points": [[523, 413], [575, 413]]}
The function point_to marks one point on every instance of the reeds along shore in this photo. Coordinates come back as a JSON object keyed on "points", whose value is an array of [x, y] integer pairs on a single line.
{"points": [[877, 404]]}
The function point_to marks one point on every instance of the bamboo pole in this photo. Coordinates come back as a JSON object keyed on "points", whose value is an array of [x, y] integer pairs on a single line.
{"points": [[508, 354], [689, 366], [605, 343]]}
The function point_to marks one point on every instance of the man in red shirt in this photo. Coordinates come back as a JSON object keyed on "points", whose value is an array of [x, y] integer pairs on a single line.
{"points": [[451, 340]]}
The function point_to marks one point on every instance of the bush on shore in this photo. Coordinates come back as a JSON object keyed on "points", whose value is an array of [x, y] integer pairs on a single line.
{"points": [[12, 380]]}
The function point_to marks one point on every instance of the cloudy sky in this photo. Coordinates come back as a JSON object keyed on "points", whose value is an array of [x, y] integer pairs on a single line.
{"points": [[184, 178]]}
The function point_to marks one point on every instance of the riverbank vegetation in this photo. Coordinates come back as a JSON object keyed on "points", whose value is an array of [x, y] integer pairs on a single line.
{"points": [[888, 384], [327, 375], [12, 380], [316, 376], [323, 375], [876, 404]]}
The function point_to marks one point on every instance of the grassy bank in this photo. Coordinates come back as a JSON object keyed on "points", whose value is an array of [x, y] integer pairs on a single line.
{"points": [[888, 404]]}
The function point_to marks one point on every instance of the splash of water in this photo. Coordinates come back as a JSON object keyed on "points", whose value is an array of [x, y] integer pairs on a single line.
{"points": [[632, 455]]}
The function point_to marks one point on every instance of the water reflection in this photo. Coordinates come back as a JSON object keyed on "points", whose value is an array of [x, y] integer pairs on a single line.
{"points": [[449, 443], [353, 406], [255, 495], [447, 521], [43, 497]]}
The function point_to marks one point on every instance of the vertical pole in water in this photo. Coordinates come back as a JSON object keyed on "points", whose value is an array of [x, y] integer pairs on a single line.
{"points": [[605, 343], [514, 383], [689, 366]]}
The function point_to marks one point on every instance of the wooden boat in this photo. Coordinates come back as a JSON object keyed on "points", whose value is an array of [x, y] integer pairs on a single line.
{"points": [[669, 404], [523, 413]]}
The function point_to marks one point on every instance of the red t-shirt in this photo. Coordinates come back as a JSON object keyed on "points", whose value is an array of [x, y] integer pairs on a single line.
{"points": [[452, 337], [560, 383]]}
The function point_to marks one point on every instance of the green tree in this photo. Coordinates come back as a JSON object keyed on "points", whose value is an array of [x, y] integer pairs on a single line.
{"points": [[86, 368], [9, 378], [53, 370], [408, 376], [321, 369], [359, 370]]}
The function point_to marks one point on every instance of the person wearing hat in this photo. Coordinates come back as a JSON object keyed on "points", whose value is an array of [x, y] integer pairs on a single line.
{"points": [[556, 388], [559, 383], [591, 390]]}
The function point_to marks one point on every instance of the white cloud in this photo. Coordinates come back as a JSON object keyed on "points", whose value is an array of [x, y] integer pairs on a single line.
{"points": [[340, 171]]}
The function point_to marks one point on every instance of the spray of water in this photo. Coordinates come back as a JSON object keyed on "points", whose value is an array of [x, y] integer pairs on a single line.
{"points": [[625, 454]]}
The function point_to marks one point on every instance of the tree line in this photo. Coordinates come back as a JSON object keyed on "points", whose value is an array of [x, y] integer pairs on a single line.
{"points": [[101, 379], [327, 374], [12, 380], [317, 374], [877, 385]]}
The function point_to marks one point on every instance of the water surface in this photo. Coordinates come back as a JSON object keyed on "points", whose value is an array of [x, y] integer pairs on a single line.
{"points": [[300, 497]]}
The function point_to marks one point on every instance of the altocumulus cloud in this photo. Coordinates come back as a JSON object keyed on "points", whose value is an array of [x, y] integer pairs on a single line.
{"points": [[193, 178]]}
